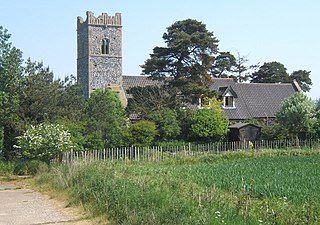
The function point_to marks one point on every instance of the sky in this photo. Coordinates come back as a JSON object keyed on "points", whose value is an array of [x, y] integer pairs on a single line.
{"points": [[286, 31]]}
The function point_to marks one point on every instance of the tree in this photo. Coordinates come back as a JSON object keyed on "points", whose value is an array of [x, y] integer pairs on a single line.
{"points": [[187, 58], [44, 142], [10, 77], [223, 65], [106, 116], [143, 133], [241, 70], [39, 93], [297, 114], [208, 125], [271, 72], [145, 100], [303, 79], [167, 123]]}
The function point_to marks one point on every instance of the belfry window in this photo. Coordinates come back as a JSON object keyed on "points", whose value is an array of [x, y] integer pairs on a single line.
{"points": [[105, 47]]}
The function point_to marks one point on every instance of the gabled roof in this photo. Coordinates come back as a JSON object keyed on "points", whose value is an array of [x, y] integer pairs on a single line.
{"points": [[258, 100], [252, 100]]}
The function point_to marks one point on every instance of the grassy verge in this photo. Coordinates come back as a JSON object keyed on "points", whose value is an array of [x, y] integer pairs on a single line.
{"points": [[270, 187]]}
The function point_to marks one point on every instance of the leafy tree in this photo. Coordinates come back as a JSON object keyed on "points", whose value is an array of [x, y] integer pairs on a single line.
{"points": [[271, 72], [38, 94], [143, 133], [187, 58], [167, 123], [303, 79], [106, 115], [44, 142], [297, 114], [223, 65], [10, 76], [208, 125]]}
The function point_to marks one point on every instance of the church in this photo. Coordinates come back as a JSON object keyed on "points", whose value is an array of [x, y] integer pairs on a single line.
{"points": [[99, 65]]}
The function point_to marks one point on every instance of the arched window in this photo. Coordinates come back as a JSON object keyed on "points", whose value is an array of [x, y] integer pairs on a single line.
{"points": [[105, 47]]}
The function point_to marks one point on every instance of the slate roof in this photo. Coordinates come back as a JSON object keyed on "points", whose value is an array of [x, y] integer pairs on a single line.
{"points": [[258, 100], [252, 100]]}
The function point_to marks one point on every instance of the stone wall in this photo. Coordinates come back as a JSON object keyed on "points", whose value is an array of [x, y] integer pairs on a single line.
{"points": [[96, 70]]}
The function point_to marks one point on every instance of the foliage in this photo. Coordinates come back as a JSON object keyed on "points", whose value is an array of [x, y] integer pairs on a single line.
{"points": [[30, 167], [208, 125], [106, 115], [297, 114], [271, 72], [274, 72], [43, 142], [278, 187], [146, 100], [187, 58], [303, 79], [223, 64], [143, 133], [212, 103], [167, 123], [10, 76]]}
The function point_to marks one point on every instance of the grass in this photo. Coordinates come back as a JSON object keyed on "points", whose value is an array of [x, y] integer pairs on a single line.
{"points": [[270, 187]]}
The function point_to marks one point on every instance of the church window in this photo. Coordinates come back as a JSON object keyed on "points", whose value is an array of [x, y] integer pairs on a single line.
{"points": [[105, 47]]}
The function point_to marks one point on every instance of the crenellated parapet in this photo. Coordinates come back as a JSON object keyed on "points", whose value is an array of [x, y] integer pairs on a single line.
{"points": [[103, 20]]}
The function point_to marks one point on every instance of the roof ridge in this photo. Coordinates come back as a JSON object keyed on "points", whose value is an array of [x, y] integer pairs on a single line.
{"points": [[271, 84]]}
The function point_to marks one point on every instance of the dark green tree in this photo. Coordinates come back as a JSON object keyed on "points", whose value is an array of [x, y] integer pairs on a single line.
{"points": [[223, 65], [271, 72], [106, 118], [10, 77], [167, 123], [143, 133], [187, 58], [303, 79], [39, 94]]}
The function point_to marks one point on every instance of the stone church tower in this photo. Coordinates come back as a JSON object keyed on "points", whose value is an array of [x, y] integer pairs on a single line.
{"points": [[99, 60]]}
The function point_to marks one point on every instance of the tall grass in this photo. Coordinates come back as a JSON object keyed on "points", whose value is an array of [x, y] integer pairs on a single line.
{"points": [[234, 188]]}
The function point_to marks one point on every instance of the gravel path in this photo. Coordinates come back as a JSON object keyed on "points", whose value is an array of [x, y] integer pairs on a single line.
{"points": [[27, 207]]}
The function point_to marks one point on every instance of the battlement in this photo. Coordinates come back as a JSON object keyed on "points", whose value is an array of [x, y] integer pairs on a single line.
{"points": [[102, 20]]}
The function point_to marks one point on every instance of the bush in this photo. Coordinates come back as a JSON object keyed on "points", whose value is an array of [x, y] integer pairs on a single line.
{"points": [[6, 168], [43, 142], [30, 167], [143, 133]]}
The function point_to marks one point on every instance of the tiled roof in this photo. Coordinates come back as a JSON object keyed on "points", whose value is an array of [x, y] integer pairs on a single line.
{"points": [[129, 81], [258, 100], [252, 100]]}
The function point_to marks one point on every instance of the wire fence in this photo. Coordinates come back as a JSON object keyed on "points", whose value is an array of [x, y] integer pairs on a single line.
{"points": [[159, 153]]}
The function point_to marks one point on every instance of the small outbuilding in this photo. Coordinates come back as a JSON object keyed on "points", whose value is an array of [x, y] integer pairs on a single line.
{"points": [[244, 132]]}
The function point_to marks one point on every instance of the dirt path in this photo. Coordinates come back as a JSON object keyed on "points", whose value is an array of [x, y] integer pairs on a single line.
{"points": [[27, 207]]}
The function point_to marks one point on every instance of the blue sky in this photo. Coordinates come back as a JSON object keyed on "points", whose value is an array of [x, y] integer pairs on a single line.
{"points": [[286, 31]]}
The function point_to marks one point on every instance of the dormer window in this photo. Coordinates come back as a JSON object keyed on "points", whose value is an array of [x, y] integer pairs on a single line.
{"points": [[228, 101], [229, 97], [105, 47]]}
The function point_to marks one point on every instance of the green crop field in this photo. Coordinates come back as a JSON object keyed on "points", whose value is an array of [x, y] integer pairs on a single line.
{"points": [[272, 187]]}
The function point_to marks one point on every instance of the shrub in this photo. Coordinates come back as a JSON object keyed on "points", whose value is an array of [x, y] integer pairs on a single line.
{"points": [[143, 133], [30, 167], [43, 142]]}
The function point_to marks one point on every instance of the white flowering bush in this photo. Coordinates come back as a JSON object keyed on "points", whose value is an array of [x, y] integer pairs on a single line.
{"points": [[44, 142]]}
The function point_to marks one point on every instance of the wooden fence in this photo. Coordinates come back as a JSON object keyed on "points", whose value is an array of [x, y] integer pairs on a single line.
{"points": [[159, 153]]}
